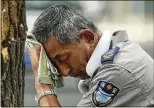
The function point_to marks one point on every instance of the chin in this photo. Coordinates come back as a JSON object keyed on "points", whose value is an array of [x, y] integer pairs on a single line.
{"points": [[81, 75], [84, 77]]}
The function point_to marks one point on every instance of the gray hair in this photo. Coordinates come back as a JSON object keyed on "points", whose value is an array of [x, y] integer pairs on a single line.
{"points": [[63, 23]]}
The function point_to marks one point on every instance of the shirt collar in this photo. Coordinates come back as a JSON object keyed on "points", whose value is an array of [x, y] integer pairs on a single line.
{"points": [[102, 47]]}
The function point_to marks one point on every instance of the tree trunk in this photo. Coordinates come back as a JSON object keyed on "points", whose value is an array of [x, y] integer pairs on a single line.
{"points": [[13, 21]]}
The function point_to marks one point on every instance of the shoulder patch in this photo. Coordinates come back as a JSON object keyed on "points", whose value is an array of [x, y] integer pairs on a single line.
{"points": [[109, 55], [104, 94]]}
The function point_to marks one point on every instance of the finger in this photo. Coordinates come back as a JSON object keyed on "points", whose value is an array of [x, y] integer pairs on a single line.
{"points": [[38, 50], [31, 52], [33, 59], [32, 55]]}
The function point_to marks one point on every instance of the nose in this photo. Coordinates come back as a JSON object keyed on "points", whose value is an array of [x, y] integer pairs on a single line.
{"points": [[64, 69]]}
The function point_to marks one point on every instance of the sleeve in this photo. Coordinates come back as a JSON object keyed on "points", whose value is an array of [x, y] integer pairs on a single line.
{"points": [[106, 86]]}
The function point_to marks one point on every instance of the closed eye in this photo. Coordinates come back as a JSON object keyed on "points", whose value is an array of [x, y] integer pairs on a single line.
{"points": [[62, 58]]}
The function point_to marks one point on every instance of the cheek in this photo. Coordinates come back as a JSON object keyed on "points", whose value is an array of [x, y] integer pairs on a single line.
{"points": [[79, 57], [78, 61]]}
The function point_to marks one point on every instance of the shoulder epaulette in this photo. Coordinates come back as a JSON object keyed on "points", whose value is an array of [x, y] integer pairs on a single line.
{"points": [[109, 55]]}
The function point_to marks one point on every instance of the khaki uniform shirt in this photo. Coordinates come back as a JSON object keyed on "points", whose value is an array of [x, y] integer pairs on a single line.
{"points": [[126, 80]]}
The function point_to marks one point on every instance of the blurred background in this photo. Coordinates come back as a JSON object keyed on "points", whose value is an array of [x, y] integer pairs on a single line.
{"points": [[134, 16]]}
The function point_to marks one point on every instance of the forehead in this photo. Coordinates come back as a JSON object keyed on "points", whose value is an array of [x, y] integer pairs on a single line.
{"points": [[52, 46]]}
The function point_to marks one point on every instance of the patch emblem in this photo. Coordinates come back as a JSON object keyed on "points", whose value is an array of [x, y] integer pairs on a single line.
{"points": [[104, 93], [109, 56]]}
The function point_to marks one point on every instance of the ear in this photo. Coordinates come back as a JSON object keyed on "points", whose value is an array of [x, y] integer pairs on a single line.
{"points": [[87, 35]]}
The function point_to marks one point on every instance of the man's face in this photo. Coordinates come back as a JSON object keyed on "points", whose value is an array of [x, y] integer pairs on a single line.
{"points": [[71, 59]]}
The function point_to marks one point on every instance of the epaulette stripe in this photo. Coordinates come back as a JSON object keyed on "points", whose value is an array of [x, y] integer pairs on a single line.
{"points": [[109, 55]]}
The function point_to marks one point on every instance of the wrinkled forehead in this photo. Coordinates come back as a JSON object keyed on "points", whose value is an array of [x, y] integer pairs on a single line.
{"points": [[52, 46]]}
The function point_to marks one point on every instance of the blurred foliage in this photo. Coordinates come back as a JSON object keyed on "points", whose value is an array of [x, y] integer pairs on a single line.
{"points": [[41, 5], [97, 10]]}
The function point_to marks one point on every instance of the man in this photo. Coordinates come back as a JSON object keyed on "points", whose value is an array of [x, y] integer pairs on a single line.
{"points": [[113, 70]]}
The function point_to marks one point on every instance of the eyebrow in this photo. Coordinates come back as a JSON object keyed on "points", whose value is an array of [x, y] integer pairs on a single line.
{"points": [[56, 55]]}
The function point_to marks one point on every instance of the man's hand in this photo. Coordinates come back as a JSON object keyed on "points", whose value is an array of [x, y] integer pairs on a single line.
{"points": [[47, 100], [34, 55]]}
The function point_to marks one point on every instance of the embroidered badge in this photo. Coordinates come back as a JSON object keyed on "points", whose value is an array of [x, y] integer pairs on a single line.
{"points": [[104, 93], [109, 56]]}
